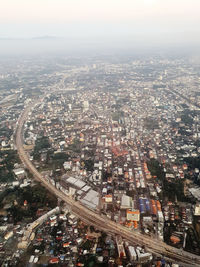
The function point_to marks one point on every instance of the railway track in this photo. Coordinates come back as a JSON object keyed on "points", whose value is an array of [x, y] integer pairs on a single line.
{"points": [[102, 222]]}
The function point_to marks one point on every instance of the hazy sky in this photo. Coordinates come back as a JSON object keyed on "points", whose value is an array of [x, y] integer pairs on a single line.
{"points": [[35, 17], [153, 21], [44, 11]]}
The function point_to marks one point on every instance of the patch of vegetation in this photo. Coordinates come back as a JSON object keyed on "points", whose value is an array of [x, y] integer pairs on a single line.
{"points": [[58, 159], [75, 146], [157, 86], [116, 116], [87, 245], [156, 169], [170, 188], [89, 165], [187, 119], [187, 116], [174, 188], [6, 132], [193, 162], [197, 143], [9, 158], [150, 124], [40, 144], [36, 197], [183, 132], [60, 156]]}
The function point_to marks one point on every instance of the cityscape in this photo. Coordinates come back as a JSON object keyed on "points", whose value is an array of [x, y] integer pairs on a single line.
{"points": [[100, 133], [100, 162]]}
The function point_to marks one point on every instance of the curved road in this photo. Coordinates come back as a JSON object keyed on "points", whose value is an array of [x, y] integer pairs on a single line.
{"points": [[101, 222]]}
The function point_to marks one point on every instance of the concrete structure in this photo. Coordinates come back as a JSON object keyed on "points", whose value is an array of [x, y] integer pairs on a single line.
{"points": [[133, 215], [126, 202], [132, 253]]}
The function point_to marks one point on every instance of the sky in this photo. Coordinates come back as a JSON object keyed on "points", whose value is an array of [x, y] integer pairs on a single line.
{"points": [[98, 21]]}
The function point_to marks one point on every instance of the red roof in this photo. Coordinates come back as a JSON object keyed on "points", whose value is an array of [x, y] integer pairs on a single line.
{"points": [[54, 260]]}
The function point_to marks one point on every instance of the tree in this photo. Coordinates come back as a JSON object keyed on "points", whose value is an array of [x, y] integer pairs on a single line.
{"points": [[89, 164]]}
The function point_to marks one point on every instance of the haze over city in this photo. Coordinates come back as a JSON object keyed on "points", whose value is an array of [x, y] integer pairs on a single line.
{"points": [[100, 133]]}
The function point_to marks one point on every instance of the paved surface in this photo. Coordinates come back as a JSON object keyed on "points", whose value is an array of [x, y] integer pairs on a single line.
{"points": [[102, 222]]}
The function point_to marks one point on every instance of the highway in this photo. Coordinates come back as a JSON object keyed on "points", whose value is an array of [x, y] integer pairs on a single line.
{"points": [[99, 221]]}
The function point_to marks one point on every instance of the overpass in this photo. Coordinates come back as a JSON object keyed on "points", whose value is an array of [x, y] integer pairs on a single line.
{"points": [[101, 222]]}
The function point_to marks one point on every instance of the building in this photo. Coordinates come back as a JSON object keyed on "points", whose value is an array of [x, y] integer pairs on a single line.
{"points": [[133, 215], [126, 202], [132, 253], [120, 247], [197, 210], [91, 199]]}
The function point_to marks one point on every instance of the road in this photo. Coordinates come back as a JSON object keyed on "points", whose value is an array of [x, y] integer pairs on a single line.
{"points": [[99, 221]]}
